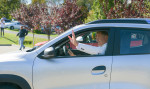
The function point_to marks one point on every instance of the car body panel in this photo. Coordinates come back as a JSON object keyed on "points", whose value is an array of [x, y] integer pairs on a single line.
{"points": [[18, 63], [71, 73], [130, 72]]}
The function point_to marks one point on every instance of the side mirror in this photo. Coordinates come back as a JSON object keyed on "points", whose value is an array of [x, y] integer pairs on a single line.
{"points": [[48, 53], [79, 39]]}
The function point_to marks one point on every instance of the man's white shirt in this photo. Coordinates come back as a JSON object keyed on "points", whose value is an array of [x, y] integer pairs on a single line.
{"points": [[93, 50], [2, 24]]}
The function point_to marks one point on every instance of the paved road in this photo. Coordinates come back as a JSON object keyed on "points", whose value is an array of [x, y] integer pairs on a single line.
{"points": [[30, 34], [10, 48]]}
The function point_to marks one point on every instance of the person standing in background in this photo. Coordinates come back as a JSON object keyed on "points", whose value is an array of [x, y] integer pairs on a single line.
{"points": [[22, 33], [2, 23]]}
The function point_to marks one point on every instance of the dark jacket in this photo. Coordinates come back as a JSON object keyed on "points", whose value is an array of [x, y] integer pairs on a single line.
{"points": [[22, 33]]}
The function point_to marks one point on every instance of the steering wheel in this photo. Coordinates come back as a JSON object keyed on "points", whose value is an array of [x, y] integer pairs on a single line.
{"points": [[65, 49]]}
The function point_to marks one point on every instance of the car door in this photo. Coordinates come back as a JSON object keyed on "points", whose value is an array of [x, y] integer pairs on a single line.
{"points": [[74, 72], [14, 25], [131, 63], [17, 25]]}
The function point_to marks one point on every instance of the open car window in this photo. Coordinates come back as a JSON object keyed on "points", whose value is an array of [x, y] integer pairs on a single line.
{"points": [[88, 38]]}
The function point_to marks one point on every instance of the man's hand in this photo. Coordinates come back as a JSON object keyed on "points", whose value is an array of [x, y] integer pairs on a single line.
{"points": [[71, 53], [73, 39]]}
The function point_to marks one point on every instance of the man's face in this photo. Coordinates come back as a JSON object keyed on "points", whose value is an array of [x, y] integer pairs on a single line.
{"points": [[101, 39]]}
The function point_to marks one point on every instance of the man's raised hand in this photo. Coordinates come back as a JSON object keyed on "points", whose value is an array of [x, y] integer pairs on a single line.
{"points": [[73, 39]]}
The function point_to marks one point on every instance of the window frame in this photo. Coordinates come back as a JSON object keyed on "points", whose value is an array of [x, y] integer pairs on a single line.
{"points": [[117, 39], [109, 51]]}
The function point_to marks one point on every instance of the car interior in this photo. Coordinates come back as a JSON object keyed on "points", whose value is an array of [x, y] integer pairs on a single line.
{"points": [[62, 49], [86, 38]]}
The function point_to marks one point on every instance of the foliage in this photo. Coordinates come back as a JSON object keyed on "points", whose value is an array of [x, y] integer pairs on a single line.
{"points": [[69, 15], [6, 6], [49, 15], [90, 17], [35, 16], [38, 1], [111, 9], [95, 13], [28, 15], [147, 3], [99, 8], [85, 3], [86, 6], [137, 9]]}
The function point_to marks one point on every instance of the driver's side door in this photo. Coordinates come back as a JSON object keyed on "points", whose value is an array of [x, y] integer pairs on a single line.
{"points": [[73, 72]]}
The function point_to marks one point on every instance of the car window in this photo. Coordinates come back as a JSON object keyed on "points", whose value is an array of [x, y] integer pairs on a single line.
{"points": [[18, 23], [7, 21], [87, 41], [89, 37], [134, 41]]}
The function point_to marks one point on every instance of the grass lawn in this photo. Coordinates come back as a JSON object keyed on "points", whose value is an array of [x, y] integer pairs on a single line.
{"points": [[12, 39], [52, 35], [5, 41]]}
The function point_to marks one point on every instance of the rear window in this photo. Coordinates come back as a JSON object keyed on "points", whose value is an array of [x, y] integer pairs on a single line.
{"points": [[134, 41]]}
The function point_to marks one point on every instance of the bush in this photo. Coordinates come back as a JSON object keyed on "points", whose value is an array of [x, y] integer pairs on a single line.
{"points": [[38, 31]]}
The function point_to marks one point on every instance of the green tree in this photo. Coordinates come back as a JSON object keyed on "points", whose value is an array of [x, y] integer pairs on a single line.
{"points": [[96, 12], [7, 6], [99, 9], [147, 2], [38, 1], [110, 9], [85, 3], [135, 9]]}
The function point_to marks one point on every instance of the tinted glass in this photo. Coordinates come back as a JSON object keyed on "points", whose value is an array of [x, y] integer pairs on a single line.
{"points": [[134, 41]]}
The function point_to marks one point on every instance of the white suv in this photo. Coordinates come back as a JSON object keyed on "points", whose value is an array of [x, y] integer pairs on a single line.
{"points": [[125, 65]]}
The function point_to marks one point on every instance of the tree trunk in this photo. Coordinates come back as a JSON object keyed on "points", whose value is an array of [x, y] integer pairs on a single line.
{"points": [[48, 37], [48, 32], [33, 38]]}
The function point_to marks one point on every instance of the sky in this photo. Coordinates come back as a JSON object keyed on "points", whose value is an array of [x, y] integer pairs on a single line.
{"points": [[29, 1], [26, 1]]}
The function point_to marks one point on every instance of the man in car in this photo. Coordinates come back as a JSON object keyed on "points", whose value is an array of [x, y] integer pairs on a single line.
{"points": [[101, 38]]}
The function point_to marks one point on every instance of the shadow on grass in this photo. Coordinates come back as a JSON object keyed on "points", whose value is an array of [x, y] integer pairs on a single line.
{"points": [[27, 42], [15, 42], [10, 40]]}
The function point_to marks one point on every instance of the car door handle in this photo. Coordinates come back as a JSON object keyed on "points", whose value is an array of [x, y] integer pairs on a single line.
{"points": [[98, 70]]}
